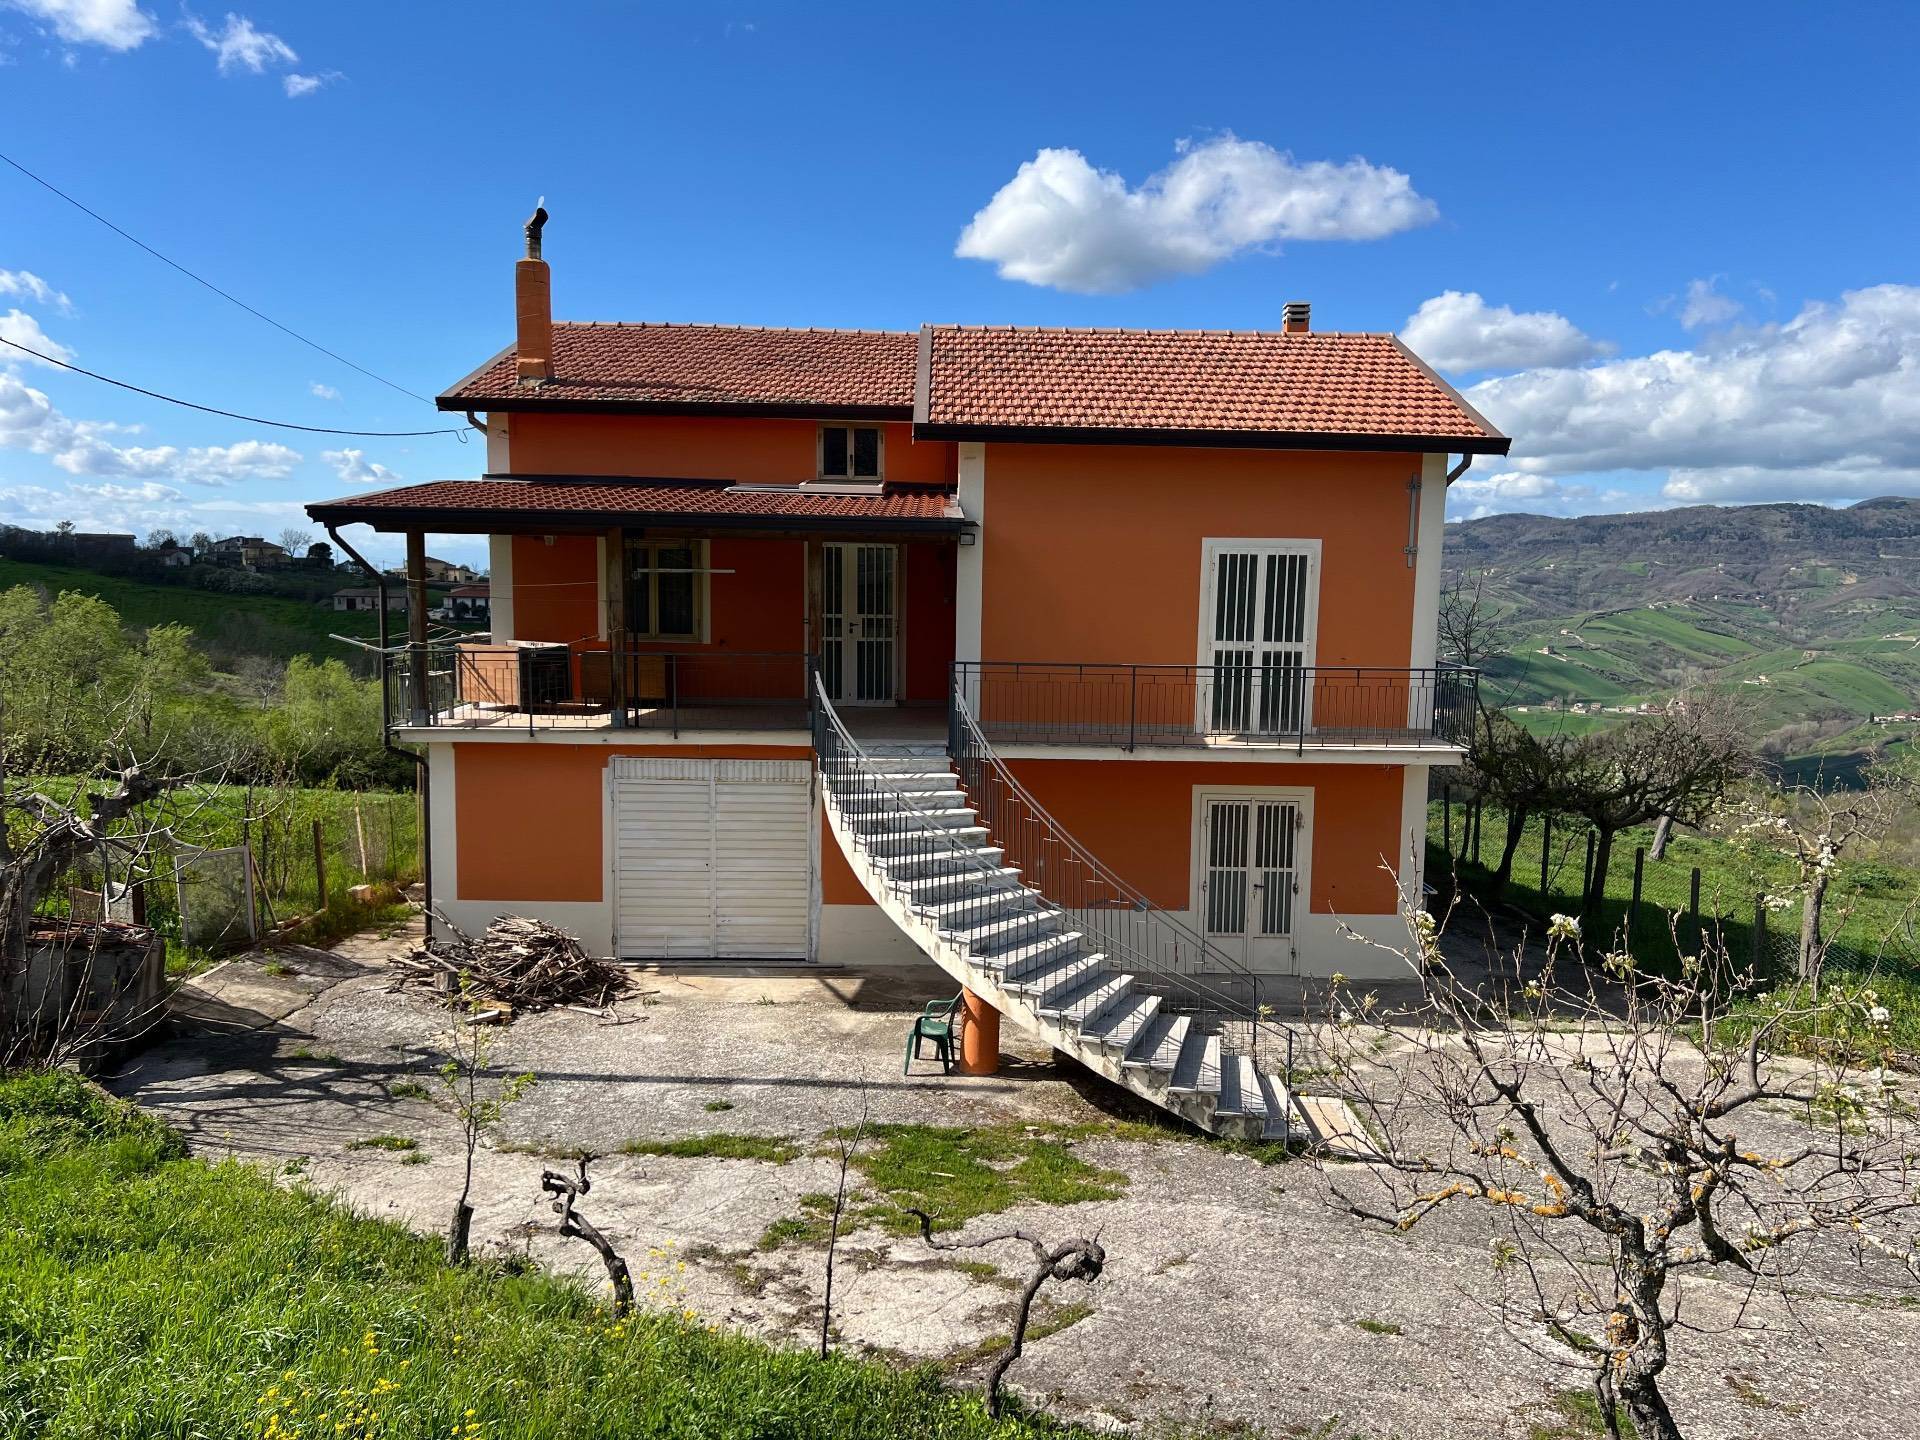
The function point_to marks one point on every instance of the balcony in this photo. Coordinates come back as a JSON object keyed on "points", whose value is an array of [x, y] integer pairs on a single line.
{"points": [[536, 686], [1148, 707]]}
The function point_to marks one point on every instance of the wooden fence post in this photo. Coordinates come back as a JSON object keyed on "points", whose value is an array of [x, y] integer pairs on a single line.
{"points": [[360, 834], [320, 864], [1586, 871], [1479, 807], [1546, 845], [1759, 931], [1693, 909], [1633, 905], [1446, 820]]}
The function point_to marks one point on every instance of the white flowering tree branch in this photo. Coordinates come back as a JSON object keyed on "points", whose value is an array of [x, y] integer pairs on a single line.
{"points": [[1610, 1130]]}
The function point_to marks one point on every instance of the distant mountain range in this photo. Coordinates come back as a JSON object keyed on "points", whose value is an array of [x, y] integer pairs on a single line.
{"points": [[1810, 613]]}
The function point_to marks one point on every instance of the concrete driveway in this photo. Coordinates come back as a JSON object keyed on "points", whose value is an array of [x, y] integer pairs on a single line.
{"points": [[1236, 1296]]}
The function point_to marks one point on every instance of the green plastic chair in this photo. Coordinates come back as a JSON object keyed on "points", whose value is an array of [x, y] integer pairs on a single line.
{"points": [[935, 1023]]}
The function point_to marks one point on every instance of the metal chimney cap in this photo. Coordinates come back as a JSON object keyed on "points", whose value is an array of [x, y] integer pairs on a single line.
{"points": [[1296, 315]]}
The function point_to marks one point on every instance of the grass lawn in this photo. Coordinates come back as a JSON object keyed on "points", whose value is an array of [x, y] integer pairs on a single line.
{"points": [[143, 1293]]}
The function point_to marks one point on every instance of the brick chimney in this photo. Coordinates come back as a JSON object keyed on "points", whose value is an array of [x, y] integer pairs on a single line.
{"points": [[533, 305], [1297, 317]]}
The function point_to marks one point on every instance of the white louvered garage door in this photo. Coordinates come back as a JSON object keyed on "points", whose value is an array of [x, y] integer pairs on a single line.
{"points": [[712, 858]]}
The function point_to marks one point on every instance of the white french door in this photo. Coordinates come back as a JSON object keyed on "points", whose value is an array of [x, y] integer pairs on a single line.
{"points": [[859, 621], [1259, 611], [1251, 861]]}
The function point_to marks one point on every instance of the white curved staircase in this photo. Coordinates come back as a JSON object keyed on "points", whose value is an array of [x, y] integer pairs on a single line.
{"points": [[905, 825]]}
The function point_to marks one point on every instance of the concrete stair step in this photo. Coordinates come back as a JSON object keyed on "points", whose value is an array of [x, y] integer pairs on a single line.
{"points": [[947, 862], [897, 821], [924, 842], [1095, 997], [1018, 965], [990, 935], [1197, 1071], [1158, 1046], [959, 886], [1116, 1028]]}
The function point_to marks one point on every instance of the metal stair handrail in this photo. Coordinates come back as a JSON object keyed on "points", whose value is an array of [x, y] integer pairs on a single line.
{"points": [[971, 741]]}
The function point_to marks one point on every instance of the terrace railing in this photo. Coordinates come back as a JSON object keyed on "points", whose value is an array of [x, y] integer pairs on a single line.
{"points": [[1135, 706], [475, 685]]}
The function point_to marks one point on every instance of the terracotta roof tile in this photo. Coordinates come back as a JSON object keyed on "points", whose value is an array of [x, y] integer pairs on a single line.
{"points": [[701, 365], [1189, 380], [445, 505]]}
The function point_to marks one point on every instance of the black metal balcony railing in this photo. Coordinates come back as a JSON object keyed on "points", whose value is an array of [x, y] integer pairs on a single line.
{"points": [[1134, 706], [471, 686]]}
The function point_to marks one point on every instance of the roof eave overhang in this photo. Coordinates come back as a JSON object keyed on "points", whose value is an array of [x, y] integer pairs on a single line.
{"points": [[1489, 444], [534, 404], [396, 520]]}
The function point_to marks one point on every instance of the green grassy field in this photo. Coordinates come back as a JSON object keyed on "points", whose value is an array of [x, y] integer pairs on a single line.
{"points": [[145, 1294], [243, 624], [1872, 909]]}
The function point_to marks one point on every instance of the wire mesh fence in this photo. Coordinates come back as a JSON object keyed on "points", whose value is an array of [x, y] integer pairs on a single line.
{"points": [[1661, 908], [226, 865]]}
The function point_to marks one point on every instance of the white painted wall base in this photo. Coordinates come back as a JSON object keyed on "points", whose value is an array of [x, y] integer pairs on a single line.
{"points": [[865, 935], [1324, 947], [590, 920]]}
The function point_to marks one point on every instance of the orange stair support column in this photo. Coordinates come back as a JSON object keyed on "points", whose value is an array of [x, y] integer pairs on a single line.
{"points": [[979, 1037]]}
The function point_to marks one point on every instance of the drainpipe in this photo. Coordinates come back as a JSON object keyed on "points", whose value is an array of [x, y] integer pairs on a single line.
{"points": [[1457, 471], [423, 774]]}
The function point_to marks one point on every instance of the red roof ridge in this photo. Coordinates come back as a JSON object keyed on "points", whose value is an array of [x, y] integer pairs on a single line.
{"points": [[730, 325], [1012, 329]]}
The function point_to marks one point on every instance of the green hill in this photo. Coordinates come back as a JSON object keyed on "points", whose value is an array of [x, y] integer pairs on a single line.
{"points": [[1810, 615], [226, 626]]}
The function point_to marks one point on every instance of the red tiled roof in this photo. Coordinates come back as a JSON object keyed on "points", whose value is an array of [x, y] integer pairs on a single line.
{"points": [[475, 506], [705, 365], [1234, 382]]}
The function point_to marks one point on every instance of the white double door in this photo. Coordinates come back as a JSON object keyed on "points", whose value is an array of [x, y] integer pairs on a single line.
{"points": [[1252, 866], [1259, 613], [859, 621], [712, 859]]}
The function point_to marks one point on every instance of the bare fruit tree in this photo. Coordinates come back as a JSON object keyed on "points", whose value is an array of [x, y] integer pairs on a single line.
{"points": [[478, 1099], [1611, 1131], [1814, 829]]}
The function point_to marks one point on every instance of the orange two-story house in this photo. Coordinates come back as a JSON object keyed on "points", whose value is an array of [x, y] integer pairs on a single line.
{"points": [[1131, 628]]}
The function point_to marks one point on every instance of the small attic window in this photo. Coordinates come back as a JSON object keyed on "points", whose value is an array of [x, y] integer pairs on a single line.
{"points": [[851, 452]]}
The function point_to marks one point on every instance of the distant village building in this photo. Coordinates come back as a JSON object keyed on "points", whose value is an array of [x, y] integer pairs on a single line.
{"points": [[173, 554], [367, 597], [469, 602], [250, 552], [443, 572], [97, 543]]}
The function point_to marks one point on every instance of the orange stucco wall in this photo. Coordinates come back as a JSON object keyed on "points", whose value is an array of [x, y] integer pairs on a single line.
{"points": [[776, 452], [1093, 552], [528, 818], [556, 591], [1137, 816]]}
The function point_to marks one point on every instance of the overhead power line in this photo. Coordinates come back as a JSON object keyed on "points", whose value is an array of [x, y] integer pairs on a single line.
{"points": [[202, 280], [215, 410]]}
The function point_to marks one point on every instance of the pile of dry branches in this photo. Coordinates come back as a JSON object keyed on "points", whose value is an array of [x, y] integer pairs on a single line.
{"points": [[518, 964]]}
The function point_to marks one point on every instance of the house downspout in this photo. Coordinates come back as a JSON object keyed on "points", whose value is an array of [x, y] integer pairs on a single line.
{"points": [[424, 774], [1457, 471]]}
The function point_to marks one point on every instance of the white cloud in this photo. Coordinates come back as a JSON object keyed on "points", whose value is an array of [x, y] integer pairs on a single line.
{"points": [[1062, 223], [298, 87], [353, 467], [25, 285], [1826, 405], [1472, 496], [1460, 331], [322, 392], [116, 24], [22, 329], [152, 492], [29, 422], [239, 46], [1704, 305]]}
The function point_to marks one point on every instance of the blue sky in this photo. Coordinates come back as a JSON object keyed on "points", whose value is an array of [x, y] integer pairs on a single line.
{"points": [[1671, 252]]}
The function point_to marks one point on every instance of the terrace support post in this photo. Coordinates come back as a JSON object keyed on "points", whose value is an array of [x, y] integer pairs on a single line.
{"points": [[419, 669], [979, 1036], [614, 584]]}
